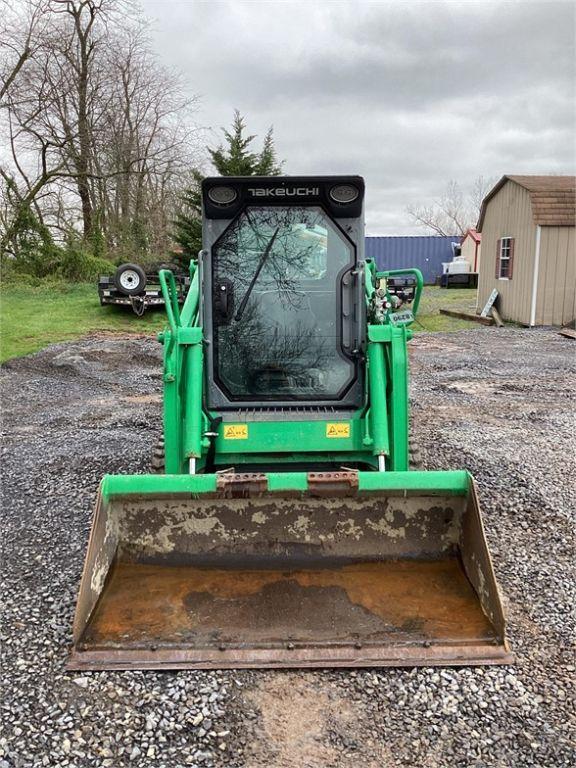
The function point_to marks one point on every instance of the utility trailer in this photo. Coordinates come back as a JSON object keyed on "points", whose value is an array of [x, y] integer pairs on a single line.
{"points": [[133, 286], [459, 280]]}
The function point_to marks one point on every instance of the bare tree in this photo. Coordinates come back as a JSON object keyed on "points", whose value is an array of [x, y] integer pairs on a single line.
{"points": [[48, 107], [78, 56], [455, 211], [97, 132], [35, 154], [145, 153], [20, 36]]}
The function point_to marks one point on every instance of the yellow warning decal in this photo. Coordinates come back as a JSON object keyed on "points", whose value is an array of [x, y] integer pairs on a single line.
{"points": [[235, 431], [339, 429]]}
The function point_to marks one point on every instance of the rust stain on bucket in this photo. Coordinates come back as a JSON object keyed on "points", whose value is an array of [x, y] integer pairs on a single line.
{"points": [[382, 602]]}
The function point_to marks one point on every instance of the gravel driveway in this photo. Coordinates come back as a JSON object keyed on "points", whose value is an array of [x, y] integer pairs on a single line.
{"points": [[497, 402]]}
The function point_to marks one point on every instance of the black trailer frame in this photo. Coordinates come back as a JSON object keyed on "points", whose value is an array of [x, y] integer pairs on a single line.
{"points": [[151, 295]]}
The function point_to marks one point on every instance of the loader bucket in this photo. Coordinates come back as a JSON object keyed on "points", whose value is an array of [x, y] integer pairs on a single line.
{"points": [[288, 570]]}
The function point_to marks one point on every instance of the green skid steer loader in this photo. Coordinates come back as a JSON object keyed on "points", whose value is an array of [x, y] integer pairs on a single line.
{"points": [[287, 529]]}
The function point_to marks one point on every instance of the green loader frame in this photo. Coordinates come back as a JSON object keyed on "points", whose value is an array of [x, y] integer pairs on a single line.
{"points": [[286, 537], [378, 429]]}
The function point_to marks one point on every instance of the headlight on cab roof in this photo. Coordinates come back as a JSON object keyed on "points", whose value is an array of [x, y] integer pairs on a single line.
{"points": [[222, 195], [344, 193]]}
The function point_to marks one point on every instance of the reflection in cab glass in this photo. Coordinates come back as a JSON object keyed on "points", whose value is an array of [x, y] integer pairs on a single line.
{"points": [[277, 333]]}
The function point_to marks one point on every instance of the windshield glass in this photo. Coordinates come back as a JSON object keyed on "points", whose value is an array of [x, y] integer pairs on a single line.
{"points": [[280, 338]]}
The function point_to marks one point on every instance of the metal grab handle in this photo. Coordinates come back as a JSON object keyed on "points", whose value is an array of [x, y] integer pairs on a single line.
{"points": [[419, 282], [348, 341], [168, 286], [368, 279]]}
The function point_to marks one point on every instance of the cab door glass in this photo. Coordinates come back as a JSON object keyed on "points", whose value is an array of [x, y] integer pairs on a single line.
{"points": [[277, 282]]}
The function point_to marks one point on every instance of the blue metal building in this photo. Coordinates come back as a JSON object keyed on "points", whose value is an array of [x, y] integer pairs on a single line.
{"points": [[425, 253]]}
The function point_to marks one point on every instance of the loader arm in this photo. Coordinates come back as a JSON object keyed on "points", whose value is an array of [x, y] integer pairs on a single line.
{"points": [[184, 419]]}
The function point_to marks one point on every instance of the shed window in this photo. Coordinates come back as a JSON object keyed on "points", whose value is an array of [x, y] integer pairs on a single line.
{"points": [[505, 258]]}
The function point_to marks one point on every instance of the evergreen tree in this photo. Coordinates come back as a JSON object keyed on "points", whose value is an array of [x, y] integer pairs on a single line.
{"points": [[188, 223], [232, 158]]}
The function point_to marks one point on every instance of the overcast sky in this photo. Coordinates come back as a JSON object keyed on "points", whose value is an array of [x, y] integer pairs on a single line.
{"points": [[407, 94]]}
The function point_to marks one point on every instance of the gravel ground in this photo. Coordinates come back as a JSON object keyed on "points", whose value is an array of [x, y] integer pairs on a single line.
{"points": [[497, 402]]}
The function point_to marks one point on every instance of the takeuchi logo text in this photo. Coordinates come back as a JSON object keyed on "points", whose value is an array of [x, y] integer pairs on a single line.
{"points": [[284, 191]]}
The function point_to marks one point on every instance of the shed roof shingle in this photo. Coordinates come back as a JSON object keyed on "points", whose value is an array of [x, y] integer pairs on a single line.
{"points": [[476, 236], [553, 199]]}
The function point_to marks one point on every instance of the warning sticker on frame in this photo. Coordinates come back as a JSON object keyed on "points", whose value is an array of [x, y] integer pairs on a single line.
{"points": [[338, 430], [401, 318], [235, 431]]}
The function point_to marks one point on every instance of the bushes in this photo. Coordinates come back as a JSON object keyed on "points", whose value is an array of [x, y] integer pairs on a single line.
{"points": [[70, 263], [29, 249], [32, 255], [79, 265], [28, 253]]}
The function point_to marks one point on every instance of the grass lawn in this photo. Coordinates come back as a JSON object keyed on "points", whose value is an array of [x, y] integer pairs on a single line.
{"points": [[434, 298], [32, 317]]}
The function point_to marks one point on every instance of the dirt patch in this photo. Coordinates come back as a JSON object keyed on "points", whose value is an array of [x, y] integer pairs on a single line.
{"points": [[305, 724], [119, 335], [431, 343], [107, 357], [473, 387], [143, 399]]}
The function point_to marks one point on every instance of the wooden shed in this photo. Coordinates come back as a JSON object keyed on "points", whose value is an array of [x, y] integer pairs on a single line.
{"points": [[470, 249], [529, 249]]}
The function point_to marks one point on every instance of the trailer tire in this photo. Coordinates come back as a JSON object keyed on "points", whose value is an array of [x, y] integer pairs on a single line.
{"points": [[130, 279], [158, 462]]}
